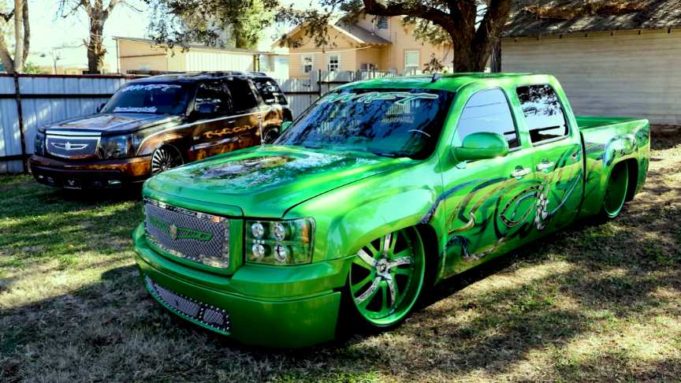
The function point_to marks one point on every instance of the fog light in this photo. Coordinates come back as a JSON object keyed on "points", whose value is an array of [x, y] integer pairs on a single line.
{"points": [[279, 231], [258, 230], [114, 182], [258, 251], [281, 253]]}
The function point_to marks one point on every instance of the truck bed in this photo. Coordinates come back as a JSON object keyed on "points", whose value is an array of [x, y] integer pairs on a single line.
{"points": [[590, 122]]}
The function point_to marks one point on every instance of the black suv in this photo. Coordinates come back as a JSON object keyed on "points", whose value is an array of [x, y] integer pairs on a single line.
{"points": [[156, 123]]}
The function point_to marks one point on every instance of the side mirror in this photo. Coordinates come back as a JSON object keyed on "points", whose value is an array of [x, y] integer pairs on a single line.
{"points": [[479, 146], [100, 107], [285, 125]]}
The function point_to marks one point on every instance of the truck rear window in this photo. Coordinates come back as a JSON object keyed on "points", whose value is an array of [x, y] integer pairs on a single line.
{"points": [[543, 112]]}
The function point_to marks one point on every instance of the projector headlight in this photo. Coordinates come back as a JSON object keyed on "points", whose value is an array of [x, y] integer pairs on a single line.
{"points": [[122, 146], [39, 144], [287, 242]]}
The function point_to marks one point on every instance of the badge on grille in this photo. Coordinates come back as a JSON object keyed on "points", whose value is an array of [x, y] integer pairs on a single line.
{"points": [[173, 232]]}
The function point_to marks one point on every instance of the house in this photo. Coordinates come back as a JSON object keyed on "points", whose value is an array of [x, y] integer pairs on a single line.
{"points": [[137, 56], [369, 44], [618, 58]]}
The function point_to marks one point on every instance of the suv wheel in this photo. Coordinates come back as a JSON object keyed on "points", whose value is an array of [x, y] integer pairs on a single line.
{"points": [[164, 158]]}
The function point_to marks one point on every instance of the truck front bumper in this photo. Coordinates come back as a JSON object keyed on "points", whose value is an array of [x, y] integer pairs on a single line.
{"points": [[89, 174], [237, 310]]}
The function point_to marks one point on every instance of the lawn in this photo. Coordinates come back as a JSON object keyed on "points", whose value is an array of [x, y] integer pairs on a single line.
{"points": [[593, 303]]}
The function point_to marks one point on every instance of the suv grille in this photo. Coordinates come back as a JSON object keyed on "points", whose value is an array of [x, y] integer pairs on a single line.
{"points": [[196, 236], [72, 147]]}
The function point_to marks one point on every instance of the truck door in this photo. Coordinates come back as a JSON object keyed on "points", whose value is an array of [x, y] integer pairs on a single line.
{"points": [[557, 156], [213, 125], [489, 202]]}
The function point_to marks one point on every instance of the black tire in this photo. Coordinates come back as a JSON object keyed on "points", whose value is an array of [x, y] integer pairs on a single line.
{"points": [[164, 158]]}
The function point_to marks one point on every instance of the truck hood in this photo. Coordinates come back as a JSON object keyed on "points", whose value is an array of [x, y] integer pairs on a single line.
{"points": [[110, 122], [266, 181]]}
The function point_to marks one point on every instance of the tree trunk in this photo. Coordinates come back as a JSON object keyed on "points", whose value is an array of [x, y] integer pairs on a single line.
{"points": [[5, 57], [18, 35], [95, 47]]}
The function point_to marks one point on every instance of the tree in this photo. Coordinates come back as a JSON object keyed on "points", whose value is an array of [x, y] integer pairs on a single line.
{"points": [[472, 27], [21, 34], [235, 23], [98, 13]]}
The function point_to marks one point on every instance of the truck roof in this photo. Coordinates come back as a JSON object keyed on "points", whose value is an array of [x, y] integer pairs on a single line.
{"points": [[451, 82]]}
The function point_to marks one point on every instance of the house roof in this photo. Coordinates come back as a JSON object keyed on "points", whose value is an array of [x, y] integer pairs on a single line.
{"points": [[547, 17], [350, 30], [193, 45]]}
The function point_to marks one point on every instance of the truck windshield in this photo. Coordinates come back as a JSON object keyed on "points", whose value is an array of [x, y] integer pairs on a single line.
{"points": [[150, 98], [392, 123]]}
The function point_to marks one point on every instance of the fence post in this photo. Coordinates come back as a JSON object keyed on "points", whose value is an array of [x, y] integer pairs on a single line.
{"points": [[20, 115]]}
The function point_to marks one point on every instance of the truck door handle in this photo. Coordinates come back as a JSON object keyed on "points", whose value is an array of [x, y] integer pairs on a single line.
{"points": [[520, 172], [545, 166]]}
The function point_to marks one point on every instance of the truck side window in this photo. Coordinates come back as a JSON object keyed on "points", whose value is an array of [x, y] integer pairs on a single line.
{"points": [[213, 98], [488, 111], [243, 95], [543, 112]]}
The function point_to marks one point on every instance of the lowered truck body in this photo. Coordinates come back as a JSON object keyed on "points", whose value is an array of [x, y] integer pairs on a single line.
{"points": [[381, 188]]}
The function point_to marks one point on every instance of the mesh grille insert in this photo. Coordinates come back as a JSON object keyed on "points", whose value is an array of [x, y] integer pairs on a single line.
{"points": [[195, 236], [189, 308]]}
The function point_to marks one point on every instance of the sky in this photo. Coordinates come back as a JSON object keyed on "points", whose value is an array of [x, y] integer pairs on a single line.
{"points": [[52, 35]]}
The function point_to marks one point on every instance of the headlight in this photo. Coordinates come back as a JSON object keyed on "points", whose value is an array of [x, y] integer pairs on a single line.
{"points": [[39, 144], [287, 242], [118, 146]]}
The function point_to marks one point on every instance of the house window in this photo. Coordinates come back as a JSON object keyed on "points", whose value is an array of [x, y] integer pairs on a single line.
{"points": [[412, 61], [382, 22], [308, 61], [334, 63]]}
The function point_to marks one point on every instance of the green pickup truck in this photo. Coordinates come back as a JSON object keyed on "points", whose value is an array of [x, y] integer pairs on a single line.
{"points": [[379, 190]]}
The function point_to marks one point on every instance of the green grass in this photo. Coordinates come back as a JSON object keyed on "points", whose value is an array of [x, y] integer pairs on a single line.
{"points": [[593, 303]]}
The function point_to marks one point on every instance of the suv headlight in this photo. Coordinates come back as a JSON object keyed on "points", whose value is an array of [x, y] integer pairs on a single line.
{"points": [[39, 144], [287, 242], [121, 146]]}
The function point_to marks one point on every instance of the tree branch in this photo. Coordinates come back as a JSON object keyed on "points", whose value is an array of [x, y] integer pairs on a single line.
{"points": [[419, 10], [27, 31]]}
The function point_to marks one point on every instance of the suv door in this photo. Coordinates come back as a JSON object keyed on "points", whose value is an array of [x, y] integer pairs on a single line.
{"points": [[247, 118], [557, 153], [489, 202], [212, 122]]}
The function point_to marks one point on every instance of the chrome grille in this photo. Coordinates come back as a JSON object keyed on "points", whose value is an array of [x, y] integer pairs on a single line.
{"points": [[72, 146], [189, 308], [196, 236]]}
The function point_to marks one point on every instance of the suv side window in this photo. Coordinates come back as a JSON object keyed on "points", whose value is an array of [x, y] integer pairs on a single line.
{"points": [[244, 97], [270, 91], [214, 96], [543, 112], [488, 111]]}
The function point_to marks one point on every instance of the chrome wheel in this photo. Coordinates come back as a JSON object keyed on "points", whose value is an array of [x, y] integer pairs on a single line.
{"points": [[616, 192], [386, 277], [164, 158]]}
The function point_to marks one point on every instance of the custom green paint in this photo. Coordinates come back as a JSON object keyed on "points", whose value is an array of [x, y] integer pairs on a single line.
{"points": [[378, 224]]}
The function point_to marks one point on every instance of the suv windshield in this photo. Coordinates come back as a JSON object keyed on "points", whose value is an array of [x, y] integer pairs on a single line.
{"points": [[150, 98], [391, 123]]}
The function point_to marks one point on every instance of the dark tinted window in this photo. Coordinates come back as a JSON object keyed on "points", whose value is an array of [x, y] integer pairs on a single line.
{"points": [[242, 95], [488, 111], [215, 95], [543, 112], [153, 98], [269, 90]]}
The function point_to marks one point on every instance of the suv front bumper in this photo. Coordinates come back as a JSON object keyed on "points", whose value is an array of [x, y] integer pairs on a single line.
{"points": [[89, 174], [280, 307]]}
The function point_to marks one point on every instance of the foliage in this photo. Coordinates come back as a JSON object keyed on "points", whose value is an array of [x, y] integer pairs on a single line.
{"points": [[235, 23], [433, 65], [30, 68]]}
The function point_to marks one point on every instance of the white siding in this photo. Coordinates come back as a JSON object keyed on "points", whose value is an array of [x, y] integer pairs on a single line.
{"points": [[218, 61], [624, 74]]}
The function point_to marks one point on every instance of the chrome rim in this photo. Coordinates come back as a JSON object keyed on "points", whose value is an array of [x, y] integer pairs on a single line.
{"points": [[165, 158], [386, 277]]}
